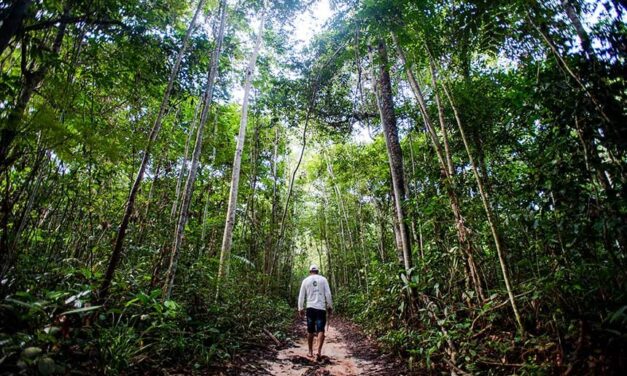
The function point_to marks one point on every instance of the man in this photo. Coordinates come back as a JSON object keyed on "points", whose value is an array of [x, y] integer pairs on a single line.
{"points": [[316, 289]]}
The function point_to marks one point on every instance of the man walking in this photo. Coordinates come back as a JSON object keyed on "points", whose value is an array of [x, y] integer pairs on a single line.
{"points": [[316, 289]]}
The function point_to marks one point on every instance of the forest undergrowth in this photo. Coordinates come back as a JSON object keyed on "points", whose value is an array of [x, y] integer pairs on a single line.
{"points": [[59, 330]]}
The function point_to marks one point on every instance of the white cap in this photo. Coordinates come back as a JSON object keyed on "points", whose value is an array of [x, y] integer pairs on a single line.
{"points": [[313, 267]]}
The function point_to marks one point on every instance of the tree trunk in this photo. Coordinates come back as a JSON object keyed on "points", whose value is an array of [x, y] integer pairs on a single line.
{"points": [[225, 252], [250, 206], [191, 178], [463, 235], [385, 103], [488, 208], [447, 149], [205, 211], [343, 212], [8, 133], [396, 229], [270, 240], [154, 132], [144, 220], [584, 39], [332, 273], [290, 187], [417, 233], [179, 180], [30, 83], [12, 23]]}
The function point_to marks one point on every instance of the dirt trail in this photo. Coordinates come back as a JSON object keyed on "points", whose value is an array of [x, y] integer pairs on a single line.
{"points": [[337, 358], [346, 352]]}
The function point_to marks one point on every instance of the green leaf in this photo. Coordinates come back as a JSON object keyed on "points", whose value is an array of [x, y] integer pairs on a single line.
{"points": [[81, 310]]}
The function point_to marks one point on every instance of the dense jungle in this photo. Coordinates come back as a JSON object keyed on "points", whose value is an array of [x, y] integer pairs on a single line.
{"points": [[170, 169]]}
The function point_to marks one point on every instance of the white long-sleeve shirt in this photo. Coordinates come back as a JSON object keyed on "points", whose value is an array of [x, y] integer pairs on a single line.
{"points": [[316, 289]]}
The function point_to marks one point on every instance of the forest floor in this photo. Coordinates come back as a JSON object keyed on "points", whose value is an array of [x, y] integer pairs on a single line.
{"points": [[346, 352]]}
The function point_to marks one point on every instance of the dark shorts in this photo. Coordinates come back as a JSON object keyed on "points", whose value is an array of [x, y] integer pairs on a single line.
{"points": [[316, 320]]}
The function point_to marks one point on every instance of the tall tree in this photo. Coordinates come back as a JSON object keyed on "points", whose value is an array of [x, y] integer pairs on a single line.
{"points": [[227, 239], [463, 233], [191, 177], [31, 77], [492, 220], [385, 103], [116, 254]]}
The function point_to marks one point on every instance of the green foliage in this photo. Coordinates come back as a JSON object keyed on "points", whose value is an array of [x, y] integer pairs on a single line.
{"points": [[141, 333], [118, 345]]}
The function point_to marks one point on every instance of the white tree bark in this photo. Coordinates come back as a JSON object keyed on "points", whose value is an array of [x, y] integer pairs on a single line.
{"points": [[191, 178], [227, 239], [177, 193]]}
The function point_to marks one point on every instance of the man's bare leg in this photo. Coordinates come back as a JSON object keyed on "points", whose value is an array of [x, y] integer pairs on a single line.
{"points": [[320, 342], [310, 338]]}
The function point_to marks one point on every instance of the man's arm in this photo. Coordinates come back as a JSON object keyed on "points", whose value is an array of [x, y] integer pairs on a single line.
{"points": [[301, 297], [327, 295]]}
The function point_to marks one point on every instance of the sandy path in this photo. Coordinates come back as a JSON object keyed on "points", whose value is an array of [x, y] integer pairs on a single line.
{"points": [[337, 359]]}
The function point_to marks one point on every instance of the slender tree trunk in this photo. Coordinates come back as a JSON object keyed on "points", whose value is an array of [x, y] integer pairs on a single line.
{"points": [[385, 104], [116, 254], [8, 133], [144, 220], [205, 214], [35, 175], [343, 212], [447, 149], [191, 178], [417, 233], [253, 188], [281, 229], [293, 176], [364, 255], [179, 180], [205, 211], [396, 230], [332, 273], [30, 83], [412, 218], [584, 39], [488, 209], [314, 93], [225, 252], [270, 240], [382, 230], [462, 231]]}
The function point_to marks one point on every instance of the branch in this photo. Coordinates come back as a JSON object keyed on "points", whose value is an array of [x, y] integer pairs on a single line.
{"points": [[346, 118], [68, 20]]}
